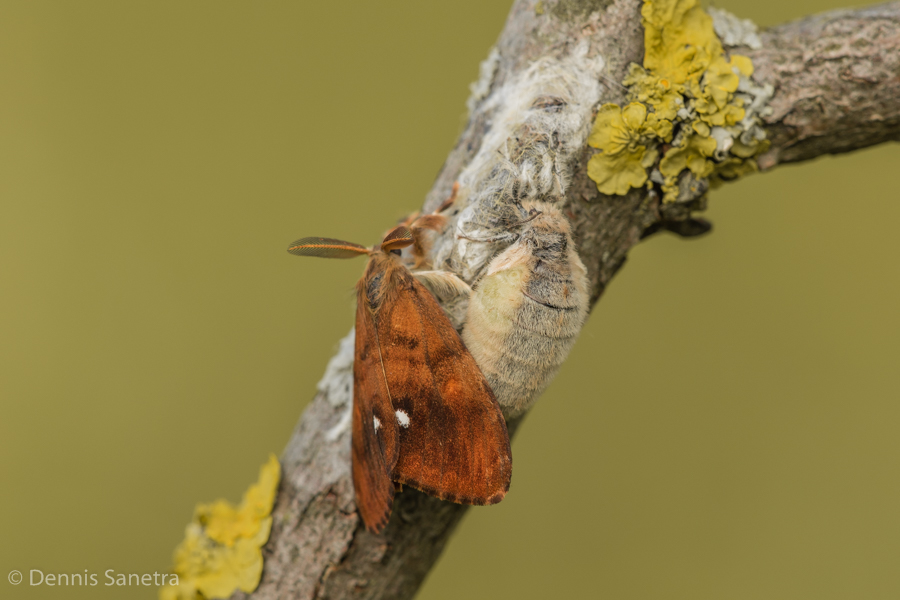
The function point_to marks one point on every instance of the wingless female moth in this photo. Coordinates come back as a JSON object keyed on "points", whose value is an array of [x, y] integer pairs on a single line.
{"points": [[526, 312], [423, 413]]}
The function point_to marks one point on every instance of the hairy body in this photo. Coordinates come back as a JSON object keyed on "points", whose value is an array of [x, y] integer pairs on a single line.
{"points": [[525, 313]]}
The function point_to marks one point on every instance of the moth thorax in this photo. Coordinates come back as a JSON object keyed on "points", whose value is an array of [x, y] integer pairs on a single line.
{"points": [[371, 288], [380, 279]]}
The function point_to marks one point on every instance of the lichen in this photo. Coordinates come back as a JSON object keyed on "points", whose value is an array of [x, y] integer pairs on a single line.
{"points": [[221, 552], [569, 10], [623, 134], [734, 31], [487, 70], [690, 108]]}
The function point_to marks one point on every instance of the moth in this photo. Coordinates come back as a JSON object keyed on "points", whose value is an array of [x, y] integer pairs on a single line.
{"points": [[423, 413], [525, 313]]}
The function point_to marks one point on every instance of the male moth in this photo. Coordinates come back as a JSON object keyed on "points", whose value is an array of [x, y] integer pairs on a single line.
{"points": [[527, 310], [423, 414]]}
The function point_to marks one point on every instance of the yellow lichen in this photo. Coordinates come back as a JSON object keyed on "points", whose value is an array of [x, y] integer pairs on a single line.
{"points": [[622, 134], [685, 88], [221, 551], [616, 174], [692, 154]]}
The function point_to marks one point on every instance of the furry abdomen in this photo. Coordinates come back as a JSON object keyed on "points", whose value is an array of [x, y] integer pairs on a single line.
{"points": [[525, 314]]}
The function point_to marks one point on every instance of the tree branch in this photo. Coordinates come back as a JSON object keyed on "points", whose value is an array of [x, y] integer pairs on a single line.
{"points": [[837, 82], [836, 78]]}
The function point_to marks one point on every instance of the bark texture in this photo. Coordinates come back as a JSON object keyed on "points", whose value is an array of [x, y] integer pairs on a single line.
{"points": [[837, 81], [837, 88]]}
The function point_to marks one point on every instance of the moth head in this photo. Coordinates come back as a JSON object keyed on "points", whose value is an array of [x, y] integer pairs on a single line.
{"points": [[378, 281], [396, 239]]}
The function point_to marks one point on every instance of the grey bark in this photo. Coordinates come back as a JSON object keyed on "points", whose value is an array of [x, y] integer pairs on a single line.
{"points": [[837, 88]]}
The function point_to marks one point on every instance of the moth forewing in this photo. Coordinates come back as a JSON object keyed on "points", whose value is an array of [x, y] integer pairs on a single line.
{"points": [[525, 314], [453, 439], [374, 443]]}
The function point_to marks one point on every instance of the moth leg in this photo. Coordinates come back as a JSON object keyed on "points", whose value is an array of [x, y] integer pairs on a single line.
{"points": [[449, 201], [443, 284], [493, 240]]}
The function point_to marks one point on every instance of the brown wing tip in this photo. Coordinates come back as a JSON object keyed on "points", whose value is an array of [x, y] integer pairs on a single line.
{"points": [[458, 498], [376, 524], [497, 497]]}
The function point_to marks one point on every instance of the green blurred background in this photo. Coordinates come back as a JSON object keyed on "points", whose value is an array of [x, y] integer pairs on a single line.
{"points": [[727, 426]]}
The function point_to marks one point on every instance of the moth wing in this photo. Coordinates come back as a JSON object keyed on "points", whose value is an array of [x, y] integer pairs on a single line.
{"points": [[374, 439], [452, 436]]}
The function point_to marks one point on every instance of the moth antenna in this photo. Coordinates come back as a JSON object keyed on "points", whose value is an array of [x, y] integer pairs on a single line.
{"points": [[326, 248], [443, 284], [398, 237]]}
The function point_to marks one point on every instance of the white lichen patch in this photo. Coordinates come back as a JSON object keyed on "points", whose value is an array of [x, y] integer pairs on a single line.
{"points": [[342, 426], [734, 31], [481, 88], [756, 104], [337, 383], [377, 423]]}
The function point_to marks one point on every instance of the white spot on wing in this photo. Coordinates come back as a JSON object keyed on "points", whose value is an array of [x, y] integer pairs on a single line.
{"points": [[377, 423], [402, 418]]}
